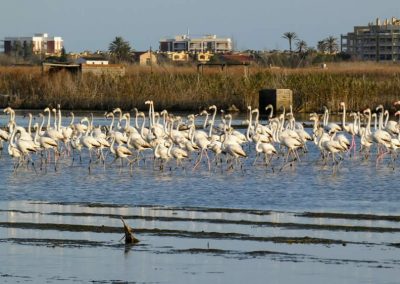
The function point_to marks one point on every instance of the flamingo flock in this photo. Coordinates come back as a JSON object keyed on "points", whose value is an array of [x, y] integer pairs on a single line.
{"points": [[167, 139]]}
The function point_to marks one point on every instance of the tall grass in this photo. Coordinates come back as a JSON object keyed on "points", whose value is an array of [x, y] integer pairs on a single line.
{"points": [[182, 88]]}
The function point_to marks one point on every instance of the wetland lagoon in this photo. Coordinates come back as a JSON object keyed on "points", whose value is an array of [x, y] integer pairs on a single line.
{"points": [[295, 222]]}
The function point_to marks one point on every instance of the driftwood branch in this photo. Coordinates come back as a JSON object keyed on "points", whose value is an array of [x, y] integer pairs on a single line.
{"points": [[129, 237]]}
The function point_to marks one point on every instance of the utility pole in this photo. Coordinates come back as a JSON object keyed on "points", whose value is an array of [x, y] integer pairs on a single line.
{"points": [[151, 61]]}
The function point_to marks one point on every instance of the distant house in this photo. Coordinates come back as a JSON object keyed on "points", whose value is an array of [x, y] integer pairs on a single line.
{"points": [[178, 56], [204, 56], [92, 60], [145, 58]]}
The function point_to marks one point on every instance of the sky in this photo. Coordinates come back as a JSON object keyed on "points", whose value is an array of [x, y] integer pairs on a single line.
{"points": [[252, 24]]}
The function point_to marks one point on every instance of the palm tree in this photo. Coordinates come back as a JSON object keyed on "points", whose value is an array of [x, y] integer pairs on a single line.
{"points": [[301, 46], [321, 46], [290, 36], [120, 49], [331, 44]]}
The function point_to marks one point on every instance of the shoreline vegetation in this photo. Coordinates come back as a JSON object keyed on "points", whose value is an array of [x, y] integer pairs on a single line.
{"points": [[359, 85]]}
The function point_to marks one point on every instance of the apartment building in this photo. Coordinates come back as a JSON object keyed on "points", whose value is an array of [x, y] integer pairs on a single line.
{"points": [[186, 43], [379, 41], [40, 43]]}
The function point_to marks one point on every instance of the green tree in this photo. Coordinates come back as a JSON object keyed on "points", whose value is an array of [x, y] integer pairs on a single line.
{"points": [[331, 45], [301, 46], [120, 49], [63, 56], [290, 36], [27, 50], [321, 46], [17, 49]]}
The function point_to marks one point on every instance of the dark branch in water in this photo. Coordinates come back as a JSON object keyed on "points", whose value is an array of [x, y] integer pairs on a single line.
{"points": [[129, 237]]}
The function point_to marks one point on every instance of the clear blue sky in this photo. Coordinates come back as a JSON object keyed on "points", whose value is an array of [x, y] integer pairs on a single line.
{"points": [[253, 24]]}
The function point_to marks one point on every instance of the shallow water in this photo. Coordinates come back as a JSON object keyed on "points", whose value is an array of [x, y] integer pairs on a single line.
{"points": [[75, 242], [200, 226]]}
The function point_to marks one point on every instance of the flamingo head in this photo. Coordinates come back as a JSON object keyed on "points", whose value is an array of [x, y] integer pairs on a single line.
{"points": [[367, 111], [379, 107], [117, 110], [397, 113]]}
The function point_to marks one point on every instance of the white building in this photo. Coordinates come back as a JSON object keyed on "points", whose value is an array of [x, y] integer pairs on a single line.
{"points": [[208, 43], [92, 60], [40, 43], [375, 41]]}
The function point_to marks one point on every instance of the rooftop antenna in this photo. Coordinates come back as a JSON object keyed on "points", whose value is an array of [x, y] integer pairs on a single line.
{"points": [[188, 32]]}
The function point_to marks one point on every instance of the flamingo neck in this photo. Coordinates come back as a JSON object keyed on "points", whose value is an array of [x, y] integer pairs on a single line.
{"points": [[59, 119], [30, 124]]}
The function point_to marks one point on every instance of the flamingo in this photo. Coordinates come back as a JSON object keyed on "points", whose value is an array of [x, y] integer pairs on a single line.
{"points": [[349, 128], [121, 152], [267, 149], [329, 126]]}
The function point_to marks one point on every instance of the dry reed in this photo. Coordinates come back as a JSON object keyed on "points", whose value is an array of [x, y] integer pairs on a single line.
{"points": [[182, 88]]}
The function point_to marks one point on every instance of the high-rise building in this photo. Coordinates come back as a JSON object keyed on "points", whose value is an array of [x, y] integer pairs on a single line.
{"points": [[186, 43], [40, 43], [379, 41]]}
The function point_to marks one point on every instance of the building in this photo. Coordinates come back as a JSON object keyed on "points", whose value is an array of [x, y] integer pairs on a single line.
{"points": [[186, 43], [145, 58], [92, 60], [379, 41], [40, 44], [82, 69], [178, 56], [204, 56]]}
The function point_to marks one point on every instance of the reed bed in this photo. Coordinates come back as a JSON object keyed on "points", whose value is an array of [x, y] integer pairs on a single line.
{"points": [[182, 88]]}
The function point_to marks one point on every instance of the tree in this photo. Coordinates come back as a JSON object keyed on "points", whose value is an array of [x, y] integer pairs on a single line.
{"points": [[321, 46], [27, 49], [290, 36], [120, 49], [63, 56], [17, 48], [331, 45], [301, 46]]}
